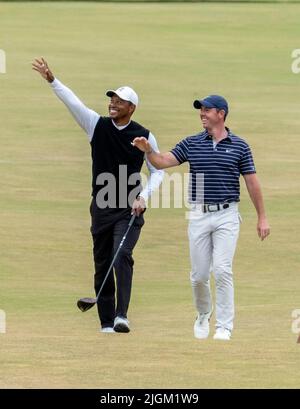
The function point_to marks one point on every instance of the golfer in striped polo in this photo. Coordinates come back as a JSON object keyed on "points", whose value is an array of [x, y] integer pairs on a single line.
{"points": [[220, 157]]}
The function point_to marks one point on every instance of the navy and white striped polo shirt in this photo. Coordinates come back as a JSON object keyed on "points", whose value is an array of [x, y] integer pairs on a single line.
{"points": [[215, 171]]}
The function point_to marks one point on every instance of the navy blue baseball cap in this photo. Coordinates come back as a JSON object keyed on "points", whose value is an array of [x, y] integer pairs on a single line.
{"points": [[212, 101]]}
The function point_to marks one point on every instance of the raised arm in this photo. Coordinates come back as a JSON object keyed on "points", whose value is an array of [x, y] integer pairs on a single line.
{"points": [[158, 160], [85, 117]]}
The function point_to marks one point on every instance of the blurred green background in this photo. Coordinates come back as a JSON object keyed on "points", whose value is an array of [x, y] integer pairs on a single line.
{"points": [[171, 54]]}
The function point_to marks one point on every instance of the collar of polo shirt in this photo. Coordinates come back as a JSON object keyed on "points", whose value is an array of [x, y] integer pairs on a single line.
{"points": [[229, 134]]}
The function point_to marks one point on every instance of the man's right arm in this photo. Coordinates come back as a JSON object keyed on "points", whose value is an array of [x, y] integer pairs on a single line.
{"points": [[158, 160], [85, 117]]}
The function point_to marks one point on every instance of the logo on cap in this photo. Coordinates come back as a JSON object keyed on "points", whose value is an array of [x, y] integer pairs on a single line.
{"points": [[126, 93]]}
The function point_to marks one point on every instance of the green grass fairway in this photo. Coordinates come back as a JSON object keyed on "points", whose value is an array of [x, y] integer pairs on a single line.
{"points": [[170, 53]]}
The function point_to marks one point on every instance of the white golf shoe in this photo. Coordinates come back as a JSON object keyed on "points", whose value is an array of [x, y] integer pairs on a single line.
{"points": [[107, 329], [222, 334], [201, 326], [121, 324]]}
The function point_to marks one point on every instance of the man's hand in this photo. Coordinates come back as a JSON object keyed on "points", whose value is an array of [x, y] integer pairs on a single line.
{"points": [[138, 206], [142, 144], [41, 66], [158, 160], [263, 228], [253, 186]]}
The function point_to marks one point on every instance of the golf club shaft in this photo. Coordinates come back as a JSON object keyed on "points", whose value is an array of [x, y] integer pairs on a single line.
{"points": [[116, 255]]}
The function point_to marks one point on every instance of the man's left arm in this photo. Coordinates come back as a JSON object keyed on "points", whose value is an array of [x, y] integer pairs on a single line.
{"points": [[155, 179], [255, 193]]}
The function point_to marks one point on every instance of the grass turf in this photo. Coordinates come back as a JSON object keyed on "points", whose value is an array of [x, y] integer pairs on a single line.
{"points": [[170, 54]]}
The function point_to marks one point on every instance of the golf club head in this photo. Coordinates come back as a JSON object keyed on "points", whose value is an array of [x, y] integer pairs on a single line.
{"points": [[85, 304]]}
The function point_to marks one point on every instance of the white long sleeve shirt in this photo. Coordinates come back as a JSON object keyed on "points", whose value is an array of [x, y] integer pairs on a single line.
{"points": [[87, 119]]}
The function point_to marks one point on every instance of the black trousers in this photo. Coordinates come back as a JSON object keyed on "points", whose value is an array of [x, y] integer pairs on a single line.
{"points": [[107, 230]]}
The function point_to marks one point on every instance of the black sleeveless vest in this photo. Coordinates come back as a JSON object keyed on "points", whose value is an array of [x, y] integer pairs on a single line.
{"points": [[113, 154]]}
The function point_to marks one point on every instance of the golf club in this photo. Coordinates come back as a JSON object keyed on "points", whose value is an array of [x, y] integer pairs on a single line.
{"points": [[85, 304]]}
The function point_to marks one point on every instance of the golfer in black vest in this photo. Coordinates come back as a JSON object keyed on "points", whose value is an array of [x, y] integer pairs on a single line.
{"points": [[116, 191]]}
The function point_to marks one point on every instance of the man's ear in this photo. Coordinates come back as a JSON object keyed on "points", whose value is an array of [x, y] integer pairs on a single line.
{"points": [[132, 108], [222, 112]]}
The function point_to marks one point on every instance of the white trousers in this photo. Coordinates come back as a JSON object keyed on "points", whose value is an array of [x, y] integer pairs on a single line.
{"points": [[213, 237]]}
